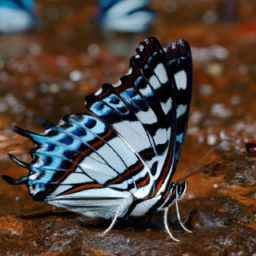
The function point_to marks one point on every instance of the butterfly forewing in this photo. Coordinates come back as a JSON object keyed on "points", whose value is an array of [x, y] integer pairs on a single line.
{"points": [[147, 119], [180, 64]]}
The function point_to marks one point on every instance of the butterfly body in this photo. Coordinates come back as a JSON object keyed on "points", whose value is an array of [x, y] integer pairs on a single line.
{"points": [[118, 160]]}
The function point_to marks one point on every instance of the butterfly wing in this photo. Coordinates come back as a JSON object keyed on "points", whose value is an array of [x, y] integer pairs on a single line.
{"points": [[180, 65], [123, 152], [124, 15], [69, 168], [141, 109]]}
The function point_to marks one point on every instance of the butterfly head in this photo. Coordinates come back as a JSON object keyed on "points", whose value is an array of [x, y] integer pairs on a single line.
{"points": [[175, 193], [180, 189]]}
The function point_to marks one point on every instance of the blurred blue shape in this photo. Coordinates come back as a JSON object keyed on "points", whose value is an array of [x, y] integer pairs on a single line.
{"points": [[16, 15], [125, 15]]}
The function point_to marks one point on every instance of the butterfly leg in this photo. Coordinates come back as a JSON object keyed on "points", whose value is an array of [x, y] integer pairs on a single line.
{"points": [[166, 225], [178, 216], [112, 223]]}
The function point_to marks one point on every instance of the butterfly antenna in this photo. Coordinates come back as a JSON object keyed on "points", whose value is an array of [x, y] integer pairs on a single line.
{"points": [[166, 225], [200, 158]]}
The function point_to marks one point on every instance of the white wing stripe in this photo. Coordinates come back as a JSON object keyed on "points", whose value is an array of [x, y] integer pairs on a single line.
{"points": [[147, 117], [154, 82]]}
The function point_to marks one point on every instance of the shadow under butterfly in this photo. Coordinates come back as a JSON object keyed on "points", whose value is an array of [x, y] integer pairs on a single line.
{"points": [[119, 159], [16, 15], [124, 15]]}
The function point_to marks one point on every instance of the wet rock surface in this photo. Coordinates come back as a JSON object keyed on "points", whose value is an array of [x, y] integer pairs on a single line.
{"points": [[49, 71]]}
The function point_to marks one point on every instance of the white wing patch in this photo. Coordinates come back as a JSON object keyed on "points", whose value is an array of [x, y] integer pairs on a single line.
{"points": [[135, 135], [146, 91], [123, 150], [154, 82], [111, 157], [160, 136], [181, 110], [161, 73], [129, 72], [76, 178], [58, 190], [98, 92], [117, 84], [98, 171], [181, 80], [167, 106], [147, 117]]}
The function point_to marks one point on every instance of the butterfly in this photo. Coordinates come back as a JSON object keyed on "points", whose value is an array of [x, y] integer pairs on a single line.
{"points": [[124, 15], [118, 160], [22, 10]]}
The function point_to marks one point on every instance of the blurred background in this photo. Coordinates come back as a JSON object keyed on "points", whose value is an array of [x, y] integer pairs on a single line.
{"points": [[55, 52], [70, 48]]}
